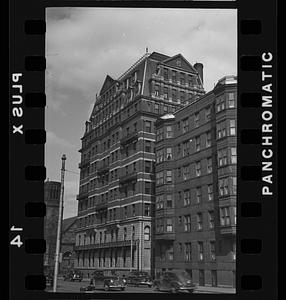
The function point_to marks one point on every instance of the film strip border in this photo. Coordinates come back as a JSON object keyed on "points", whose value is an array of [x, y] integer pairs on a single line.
{"points": [[257, 206]]}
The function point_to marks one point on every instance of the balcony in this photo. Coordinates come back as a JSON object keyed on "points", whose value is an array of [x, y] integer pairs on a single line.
{"points": [[101, 206], [106, 245], [228, 230], [165, 236], [103, 170], [131, 177], [133, 136]]}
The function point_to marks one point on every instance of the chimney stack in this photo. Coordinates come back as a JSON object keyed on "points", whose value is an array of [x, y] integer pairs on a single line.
{"points": [[199, 67]]}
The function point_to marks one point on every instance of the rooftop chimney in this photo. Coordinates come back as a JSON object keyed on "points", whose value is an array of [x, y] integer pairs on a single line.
{"points": [[199, 67]]}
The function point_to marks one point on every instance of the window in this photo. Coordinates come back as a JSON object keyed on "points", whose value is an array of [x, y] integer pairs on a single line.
{"points": [[222, 157], [178, 63], [147, 211], [198, 194], [233, 179], [169, 178], [165, 74], [186, 172], [148, 188], [198, 168], [221, 131], [185, 148], [133, 210], [210, 192], [233, 155], [212, 250], [148, 166], [185, 125], [169, 201], [147, 233], [156, 108], [148, 146], [160, 156], [208, 139], [231, 100], [200, 251], [187, 223], [196, 119], [220, 103], [165, 93], [174, 76], [174, 94], [223, 186], [160, 134], [187, 198], [198, 143], [124, 234], [208, 113], [232, 129], [169, 155], [156, 92], [148, 126], [125, 212], [199, 221], [169, 132], [188, 251], [211, 219], [159, 201], [169, 225], [224, 216], [160, 178], [209, 165], [234, 215]]}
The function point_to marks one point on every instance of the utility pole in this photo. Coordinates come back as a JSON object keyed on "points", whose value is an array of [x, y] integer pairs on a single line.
{"points": [[61, 208]]}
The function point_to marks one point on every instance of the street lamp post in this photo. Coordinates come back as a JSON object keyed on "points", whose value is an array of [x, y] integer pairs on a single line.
{"points": [[61, 208]]}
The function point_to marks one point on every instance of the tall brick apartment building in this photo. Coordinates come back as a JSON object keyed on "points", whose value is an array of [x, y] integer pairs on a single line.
{"points": [[195, 214], [117, 176]]}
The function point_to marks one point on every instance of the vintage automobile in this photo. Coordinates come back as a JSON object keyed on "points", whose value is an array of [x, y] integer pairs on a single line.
{"points": [[175, 281], [104, 282], [139, 278], [73, 276]]}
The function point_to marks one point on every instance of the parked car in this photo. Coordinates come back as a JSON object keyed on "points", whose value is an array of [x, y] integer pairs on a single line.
{"points": [[88, 288], [73, 276], [104, 282], [175, 281], [139, 279]]}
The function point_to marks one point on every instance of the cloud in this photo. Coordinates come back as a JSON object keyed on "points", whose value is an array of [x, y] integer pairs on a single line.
{"points": [[54, 140]]}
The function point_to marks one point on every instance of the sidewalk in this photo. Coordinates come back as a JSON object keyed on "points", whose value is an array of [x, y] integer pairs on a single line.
{"points": [[219, 290]]}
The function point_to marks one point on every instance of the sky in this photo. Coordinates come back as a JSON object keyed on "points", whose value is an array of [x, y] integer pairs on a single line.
{"points": [[83, 45]]}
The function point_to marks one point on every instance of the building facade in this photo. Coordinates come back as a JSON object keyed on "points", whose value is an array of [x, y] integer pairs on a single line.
{"points": [[195, 211], [69, 227], [117, 175], [52, 191]]}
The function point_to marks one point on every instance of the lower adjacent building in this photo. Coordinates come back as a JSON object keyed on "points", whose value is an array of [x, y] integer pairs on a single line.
{"points": [[69, 227], [195, 213], [52, 190]]}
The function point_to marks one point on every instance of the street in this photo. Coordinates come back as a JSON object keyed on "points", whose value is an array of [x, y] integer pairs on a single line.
{"points": [[74, 287]]}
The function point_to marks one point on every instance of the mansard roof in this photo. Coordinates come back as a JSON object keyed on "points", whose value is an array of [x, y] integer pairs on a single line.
{"points": [[108, 82], [171, 61]]}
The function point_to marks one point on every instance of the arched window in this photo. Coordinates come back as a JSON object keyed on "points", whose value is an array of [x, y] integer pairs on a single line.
{"points": [[147, 233]]}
